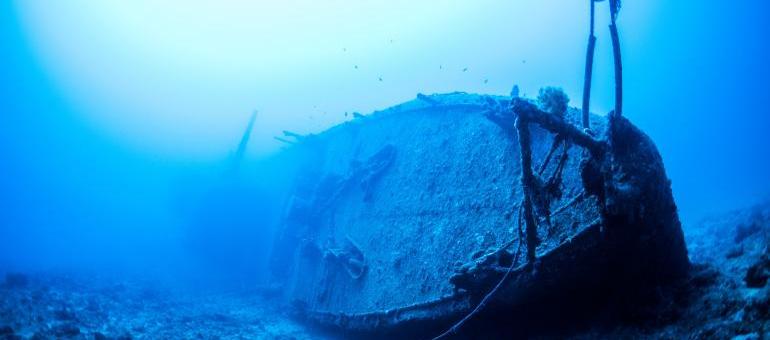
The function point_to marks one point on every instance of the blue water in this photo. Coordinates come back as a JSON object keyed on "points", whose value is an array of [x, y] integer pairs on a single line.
{"points": [[116, 144]]}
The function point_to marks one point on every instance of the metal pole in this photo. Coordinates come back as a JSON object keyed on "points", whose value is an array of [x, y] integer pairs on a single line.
{"points": [[589, 70], [614, 8]]}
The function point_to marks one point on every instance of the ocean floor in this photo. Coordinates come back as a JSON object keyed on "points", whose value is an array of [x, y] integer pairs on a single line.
{"points": [[79, 307], [727, 296]]}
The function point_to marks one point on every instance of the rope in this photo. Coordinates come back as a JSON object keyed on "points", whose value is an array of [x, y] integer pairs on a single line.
{"points": [[554, 146], [570, 203], [487, 297]]}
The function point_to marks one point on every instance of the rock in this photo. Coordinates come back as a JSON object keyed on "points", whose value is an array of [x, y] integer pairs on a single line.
{"points": [[759, 272], [750, 336], [734, 252], [39, 336], [124, 336], [6, 330], [64, 314], [742, 231], [16, 280], [758, 308], [66, 330]]}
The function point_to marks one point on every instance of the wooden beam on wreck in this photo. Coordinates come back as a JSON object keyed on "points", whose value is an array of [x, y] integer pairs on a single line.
{"points": [[531, 113], [294, 135], [284, 140]]}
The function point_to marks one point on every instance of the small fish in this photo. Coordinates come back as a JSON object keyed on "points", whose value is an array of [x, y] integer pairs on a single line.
{"points": [[465, 69], [380, 78], [344, 49], [355, 67], [346, 113], [440, 67], [523, 61], [486, 81]]}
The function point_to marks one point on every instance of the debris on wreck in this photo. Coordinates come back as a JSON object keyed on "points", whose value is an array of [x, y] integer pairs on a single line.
{"points": [[283, 140], [427, 99], [515, 91], [349, 256], [295, 137]]}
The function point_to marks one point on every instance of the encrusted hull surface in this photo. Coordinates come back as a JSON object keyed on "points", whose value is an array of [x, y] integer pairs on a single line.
{"points": [[407, 217]]}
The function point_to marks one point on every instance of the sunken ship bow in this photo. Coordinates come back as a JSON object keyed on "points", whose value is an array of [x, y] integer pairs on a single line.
{"points": [[407, 219]]}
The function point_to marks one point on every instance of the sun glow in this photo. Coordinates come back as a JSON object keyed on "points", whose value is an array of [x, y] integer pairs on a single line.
{"points": [[181, 77]]}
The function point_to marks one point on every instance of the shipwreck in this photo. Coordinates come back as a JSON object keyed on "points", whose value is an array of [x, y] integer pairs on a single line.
{"points": [[414, 218]]}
